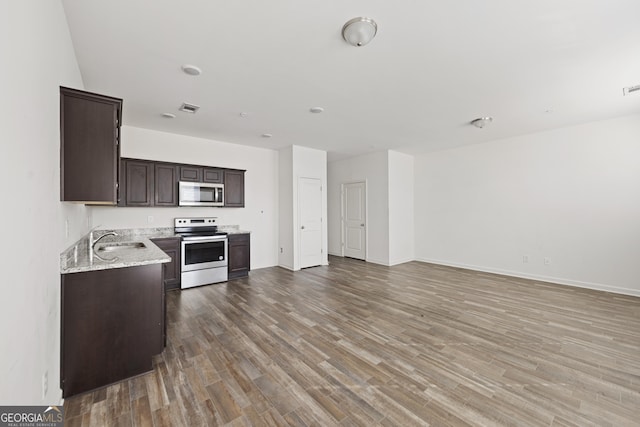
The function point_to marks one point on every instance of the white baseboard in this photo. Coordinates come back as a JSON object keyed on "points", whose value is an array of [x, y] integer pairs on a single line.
{"points": [[400, 261], [377, 261], [286, 267], [556, 280]]}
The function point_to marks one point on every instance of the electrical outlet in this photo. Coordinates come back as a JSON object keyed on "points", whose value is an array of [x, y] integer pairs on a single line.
{"points": [[525, 259], [45, 384], [547, 261], [150, 219]]}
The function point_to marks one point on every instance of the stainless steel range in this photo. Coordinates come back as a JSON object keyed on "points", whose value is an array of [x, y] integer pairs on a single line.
{"points": [[204, 251]]}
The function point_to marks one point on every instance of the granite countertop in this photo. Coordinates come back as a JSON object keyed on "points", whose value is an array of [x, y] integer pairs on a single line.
{"points": [[77, 258], [232, 229]]}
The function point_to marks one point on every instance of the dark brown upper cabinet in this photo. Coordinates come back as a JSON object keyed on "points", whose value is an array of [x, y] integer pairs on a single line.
{"points": [[150, 183], [89, 147], [213, 176], [191, 173], [234, 188], [166, 185], [137, 183]]}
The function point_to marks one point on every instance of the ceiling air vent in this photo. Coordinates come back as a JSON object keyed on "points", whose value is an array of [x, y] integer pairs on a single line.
{"points": [[189, 108], [631, 89]]}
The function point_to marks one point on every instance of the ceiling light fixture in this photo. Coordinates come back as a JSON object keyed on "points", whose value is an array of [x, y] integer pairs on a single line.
{"points": [[168, 115], [192, 70], [359, 31], [481, 122], [266, 135], [316, 110]]}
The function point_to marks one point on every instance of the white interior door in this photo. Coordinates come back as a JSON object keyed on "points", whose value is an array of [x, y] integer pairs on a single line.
{"points": [[310, 221], [355, 213]]}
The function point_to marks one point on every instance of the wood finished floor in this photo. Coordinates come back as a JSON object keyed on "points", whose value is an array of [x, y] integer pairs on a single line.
{"points": [[362, 344]]}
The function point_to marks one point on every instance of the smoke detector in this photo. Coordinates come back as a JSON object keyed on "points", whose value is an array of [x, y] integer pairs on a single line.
{"points": [[630, 89], [189, 108]]}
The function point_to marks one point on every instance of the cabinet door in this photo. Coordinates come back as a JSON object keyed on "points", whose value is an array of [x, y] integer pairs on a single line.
{"points": [[166, 185], [172, 270], [234, 188], [89, 147], [190, 173], [112, 325], [138, 185], [214, 176], [239, 255]]}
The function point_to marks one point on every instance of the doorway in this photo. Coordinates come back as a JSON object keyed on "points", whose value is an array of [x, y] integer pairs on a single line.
{"points": [[354, 233], [310, 221]]}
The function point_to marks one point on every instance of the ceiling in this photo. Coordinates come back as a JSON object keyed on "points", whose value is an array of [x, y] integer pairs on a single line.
{"points": [[432, 68]]}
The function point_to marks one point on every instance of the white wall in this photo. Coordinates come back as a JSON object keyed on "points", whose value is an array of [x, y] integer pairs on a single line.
{"points": [[373, 169], [310, 163], [401, 208], [299, 162], [260, 214], [571, 195], [37, 57], [286, 208]]}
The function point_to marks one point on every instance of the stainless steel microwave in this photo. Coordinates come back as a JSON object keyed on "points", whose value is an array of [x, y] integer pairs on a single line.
{"points": [[201, 194]]}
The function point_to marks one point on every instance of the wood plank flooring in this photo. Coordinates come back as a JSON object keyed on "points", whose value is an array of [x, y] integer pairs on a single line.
{"points": [[357, 344]]}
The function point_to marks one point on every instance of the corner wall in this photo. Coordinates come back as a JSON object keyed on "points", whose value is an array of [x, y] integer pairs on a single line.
{"points": [[299, 162], [37, 57], [401, 208], [570, 195]]}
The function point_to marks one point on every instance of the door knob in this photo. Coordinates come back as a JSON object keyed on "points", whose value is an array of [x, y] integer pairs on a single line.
{"points": [[361, 225], [302, 227]]}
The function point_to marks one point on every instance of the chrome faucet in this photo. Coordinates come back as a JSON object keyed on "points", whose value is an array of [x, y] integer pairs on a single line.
{"points": [[92, 243]]}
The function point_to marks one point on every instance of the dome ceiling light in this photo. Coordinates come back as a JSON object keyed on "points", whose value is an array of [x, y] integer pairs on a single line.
{"points": [[359, 31]]}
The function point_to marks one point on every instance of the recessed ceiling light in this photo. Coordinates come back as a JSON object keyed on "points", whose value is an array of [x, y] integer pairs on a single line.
{"points": [[316, 110], [192, 70], [243, 115], [168, 116], [481, 122], [266, 135]]}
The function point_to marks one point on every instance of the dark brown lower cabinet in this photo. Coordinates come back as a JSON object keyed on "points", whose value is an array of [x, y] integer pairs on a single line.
{"points": [[172, 270], [239, 255], [112, 324]]}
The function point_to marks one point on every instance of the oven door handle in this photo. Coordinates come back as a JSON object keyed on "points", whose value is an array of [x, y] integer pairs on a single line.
{"points": [[201, 239]]}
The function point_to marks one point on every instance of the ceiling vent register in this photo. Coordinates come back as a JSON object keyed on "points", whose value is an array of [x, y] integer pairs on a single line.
{"points": [[189, 108]]}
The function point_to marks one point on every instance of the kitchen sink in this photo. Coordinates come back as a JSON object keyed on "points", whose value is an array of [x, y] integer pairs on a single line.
{"points": [[110, 247]]}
